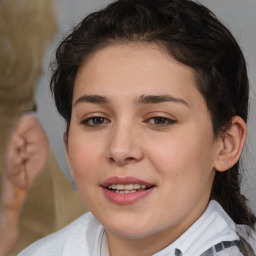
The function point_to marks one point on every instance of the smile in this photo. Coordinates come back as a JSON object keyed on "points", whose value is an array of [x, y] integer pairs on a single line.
{"points": [[128, 188]]}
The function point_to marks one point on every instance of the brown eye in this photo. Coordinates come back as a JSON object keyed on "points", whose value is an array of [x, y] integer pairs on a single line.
{"points": [[161, 121], [95, 121]]}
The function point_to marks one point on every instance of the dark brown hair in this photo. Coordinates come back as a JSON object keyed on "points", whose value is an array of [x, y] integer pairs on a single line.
{"points": [[193, 36]]}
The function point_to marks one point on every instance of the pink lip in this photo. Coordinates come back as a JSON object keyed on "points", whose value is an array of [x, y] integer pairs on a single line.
{"points": [[129, 198]]}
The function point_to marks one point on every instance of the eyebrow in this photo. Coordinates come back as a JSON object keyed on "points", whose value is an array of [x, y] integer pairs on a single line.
{"points": [[143, 99], [96, 99], [155, 99]]}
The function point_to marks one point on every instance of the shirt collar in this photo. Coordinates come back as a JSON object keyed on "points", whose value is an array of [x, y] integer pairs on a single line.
{"points": [[213, 227]]}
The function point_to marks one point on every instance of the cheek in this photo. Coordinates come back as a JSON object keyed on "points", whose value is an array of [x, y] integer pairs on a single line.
{"points": [[83, 166], [185, 167], [83, 157], [183, 155]]}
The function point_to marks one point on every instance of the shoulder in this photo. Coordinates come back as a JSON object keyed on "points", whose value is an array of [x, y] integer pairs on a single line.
{"points": [[56, 244]]}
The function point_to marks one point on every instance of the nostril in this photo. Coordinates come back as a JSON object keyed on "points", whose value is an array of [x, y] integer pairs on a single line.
{"points": [[111, 159], [129, 159], [122, 160]]}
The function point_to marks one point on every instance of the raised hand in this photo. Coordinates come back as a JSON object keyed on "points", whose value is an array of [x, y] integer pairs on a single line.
{"points": [[27, 152], [26, 155]]}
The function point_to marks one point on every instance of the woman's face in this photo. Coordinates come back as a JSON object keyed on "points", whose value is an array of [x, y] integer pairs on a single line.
{"points": [[141, 146]]}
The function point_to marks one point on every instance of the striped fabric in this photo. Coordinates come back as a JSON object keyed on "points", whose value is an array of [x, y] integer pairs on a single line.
{"points": [[215, 249]]}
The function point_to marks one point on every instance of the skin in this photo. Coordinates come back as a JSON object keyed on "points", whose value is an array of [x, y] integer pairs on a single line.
{"points": [[175, 152], [26, 155]]}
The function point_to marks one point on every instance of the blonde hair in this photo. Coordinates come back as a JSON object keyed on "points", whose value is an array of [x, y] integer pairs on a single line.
{"points": [[25, 28]]}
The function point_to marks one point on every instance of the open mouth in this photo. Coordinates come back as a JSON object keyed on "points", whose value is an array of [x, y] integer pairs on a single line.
{"points": [[127, 188]]}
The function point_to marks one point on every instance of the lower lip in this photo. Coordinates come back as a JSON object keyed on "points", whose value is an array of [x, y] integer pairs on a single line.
{"points": [[125, 199]]}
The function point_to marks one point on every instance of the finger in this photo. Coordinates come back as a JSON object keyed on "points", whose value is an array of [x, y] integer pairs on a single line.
{"points": [[16, 142], [26, 122], [20, 179], [27, 155], [14, 163], [13, 155]]}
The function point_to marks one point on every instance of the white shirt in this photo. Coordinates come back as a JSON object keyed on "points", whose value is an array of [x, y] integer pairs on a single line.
{"points": [[86, 237]]}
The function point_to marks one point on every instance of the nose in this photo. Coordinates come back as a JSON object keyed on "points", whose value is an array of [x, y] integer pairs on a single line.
{"points": [[124, 145]]}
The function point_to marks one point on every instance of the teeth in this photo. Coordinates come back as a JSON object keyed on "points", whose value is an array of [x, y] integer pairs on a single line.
{"points": [[124, 191], [120, 186], [129, 191], [137, 186], [128, 188]]}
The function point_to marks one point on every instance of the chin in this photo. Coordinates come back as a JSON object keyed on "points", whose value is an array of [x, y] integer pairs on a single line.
{"points": [[130, 231]]}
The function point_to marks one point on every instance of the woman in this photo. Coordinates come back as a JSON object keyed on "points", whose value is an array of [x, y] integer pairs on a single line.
{"points": [[155, 97]]}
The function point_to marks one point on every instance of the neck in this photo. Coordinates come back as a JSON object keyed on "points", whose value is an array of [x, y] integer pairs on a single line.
{"points": [[134, 247], [144, 246]]}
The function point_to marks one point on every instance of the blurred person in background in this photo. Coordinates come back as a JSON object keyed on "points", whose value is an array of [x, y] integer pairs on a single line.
{"points": [[33, 205]]}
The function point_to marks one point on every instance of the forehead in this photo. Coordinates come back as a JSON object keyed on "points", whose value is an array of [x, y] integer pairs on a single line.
{"points": [[134, 69]]}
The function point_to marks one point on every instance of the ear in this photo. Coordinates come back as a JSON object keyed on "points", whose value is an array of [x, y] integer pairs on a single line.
{"points": [[230, 145], [65, 140]]}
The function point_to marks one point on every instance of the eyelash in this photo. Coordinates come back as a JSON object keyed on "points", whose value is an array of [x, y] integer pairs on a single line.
{"points": [[97, 121], [161, 121], [92, 119]]}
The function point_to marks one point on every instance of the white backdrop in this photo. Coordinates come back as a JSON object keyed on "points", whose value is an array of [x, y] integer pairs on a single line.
{"points": [[238, 15]]}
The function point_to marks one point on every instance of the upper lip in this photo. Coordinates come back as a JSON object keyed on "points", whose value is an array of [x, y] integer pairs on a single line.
{"points": [[125, 180]]}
